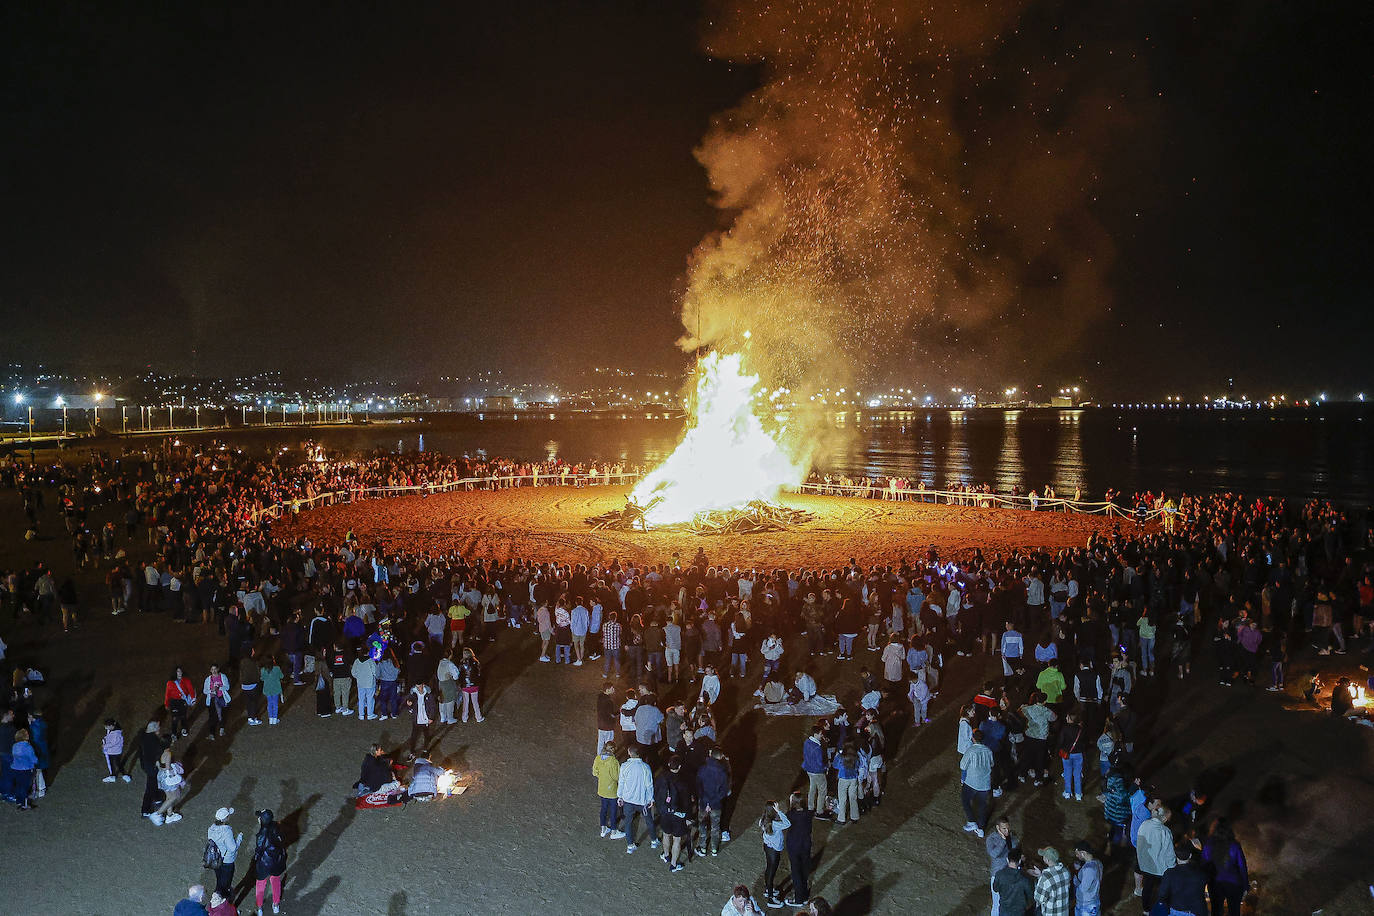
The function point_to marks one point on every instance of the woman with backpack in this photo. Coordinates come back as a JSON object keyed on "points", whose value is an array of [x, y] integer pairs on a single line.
{"points": [[269, 860]]}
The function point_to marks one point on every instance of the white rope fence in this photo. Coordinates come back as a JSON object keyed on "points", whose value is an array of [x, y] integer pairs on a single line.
{"points": [[607, 478], [975, 498], [498, 482]]}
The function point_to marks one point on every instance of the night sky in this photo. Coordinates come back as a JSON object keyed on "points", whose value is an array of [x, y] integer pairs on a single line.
{"points": [[438, 188]]}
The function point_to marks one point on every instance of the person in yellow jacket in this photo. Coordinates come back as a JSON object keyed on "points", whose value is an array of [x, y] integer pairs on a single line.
{"points": [[606, 769]]}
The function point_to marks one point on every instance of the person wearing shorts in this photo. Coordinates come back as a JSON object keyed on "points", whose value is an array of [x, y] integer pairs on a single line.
{"points": [[545, 620]]}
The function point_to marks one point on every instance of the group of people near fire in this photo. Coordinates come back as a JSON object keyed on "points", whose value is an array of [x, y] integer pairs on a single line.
{"points": [[1069, 637]]}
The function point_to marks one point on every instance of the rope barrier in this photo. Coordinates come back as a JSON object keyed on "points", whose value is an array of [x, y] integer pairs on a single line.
{"points": [[888, 493]]}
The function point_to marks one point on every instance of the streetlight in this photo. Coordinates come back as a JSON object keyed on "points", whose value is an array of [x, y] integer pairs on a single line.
{"points": [[61, 402], [197, 415], [99, 396], [169, 416], [124, 417], [19, 399]]}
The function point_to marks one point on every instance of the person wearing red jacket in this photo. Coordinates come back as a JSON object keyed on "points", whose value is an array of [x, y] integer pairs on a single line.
{"points": [[179, 697]]}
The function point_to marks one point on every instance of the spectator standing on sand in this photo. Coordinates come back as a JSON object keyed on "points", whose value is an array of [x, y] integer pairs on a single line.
{"points": [[1014, 889], [179, 696], [112, 747], [364, 672], [975, 784], [269, 860], [424, 710], [544, 622], [562, 633], [610, 644], [222, 835], [713, 788], [447, 676], [772, 825], [1053, 886], [249, 678], [272, 677], [1183, 888], [1000, 844], [171, 779], [635, 797], [150, 746], [1231, 876], [470, 683], [605, 716], [800, 821], [580, 621], [216, 693], [606, 769], [1154, 851], [340, 670], [1087, 881], [813, 763]]}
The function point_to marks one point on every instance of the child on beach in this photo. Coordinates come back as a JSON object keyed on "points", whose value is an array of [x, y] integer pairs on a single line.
{"points": [[112, 746]]}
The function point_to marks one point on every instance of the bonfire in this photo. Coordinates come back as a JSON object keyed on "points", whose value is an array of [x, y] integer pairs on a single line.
{"points": [[754, 517], [732, 462]]}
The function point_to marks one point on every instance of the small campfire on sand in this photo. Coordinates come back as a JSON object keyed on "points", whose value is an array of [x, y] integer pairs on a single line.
{"points": [[754, 517]]}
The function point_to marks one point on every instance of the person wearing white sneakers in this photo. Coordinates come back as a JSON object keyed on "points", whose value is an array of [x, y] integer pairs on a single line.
{"points": [[249, 676], [112, 746], [470, 681], [447, 676], [975, 770], [580, 621], [364, 673], [227, 843], [272, 677], [171, 779], [635, 797], [606, 769]]}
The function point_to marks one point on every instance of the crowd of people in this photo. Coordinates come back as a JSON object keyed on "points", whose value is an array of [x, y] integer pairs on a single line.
{"points": [[380, 633]]}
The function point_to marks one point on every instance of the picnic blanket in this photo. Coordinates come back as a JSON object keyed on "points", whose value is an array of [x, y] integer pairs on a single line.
{"points": [[819, 705]]}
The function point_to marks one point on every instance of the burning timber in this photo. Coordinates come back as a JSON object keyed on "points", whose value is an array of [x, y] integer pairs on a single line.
{"points": [[755, 517]]}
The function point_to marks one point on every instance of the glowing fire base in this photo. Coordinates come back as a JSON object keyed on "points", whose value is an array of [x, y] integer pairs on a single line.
{"points": [[754, 517]]}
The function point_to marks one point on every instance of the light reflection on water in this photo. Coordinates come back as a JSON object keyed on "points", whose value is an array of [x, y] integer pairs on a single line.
{"points": [[1253, 452]]}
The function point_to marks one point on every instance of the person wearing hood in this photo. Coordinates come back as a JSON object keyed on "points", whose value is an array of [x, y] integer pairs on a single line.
{"points": [[269, 860]]}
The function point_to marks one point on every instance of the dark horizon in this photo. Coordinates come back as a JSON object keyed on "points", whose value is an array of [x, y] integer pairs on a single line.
{"points": [[218, 192]]}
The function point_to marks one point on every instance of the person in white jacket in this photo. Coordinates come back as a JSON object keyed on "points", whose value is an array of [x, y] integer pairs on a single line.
{"points": [[635, 796], [216, 693], [1154, 848], [364, 673], [771, 650]]}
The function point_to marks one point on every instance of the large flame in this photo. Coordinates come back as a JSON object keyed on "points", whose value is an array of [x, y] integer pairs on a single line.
{"points": [[727, 457]]}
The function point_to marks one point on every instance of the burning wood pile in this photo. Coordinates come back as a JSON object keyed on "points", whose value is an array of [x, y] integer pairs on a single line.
{"points": [[754, 517]]}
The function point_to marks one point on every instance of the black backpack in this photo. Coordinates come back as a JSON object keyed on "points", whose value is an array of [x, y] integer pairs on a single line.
{"points": [[213, 859]]}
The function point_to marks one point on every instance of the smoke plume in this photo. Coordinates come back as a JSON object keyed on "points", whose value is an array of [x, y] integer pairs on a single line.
{"points": [[909, 187]]}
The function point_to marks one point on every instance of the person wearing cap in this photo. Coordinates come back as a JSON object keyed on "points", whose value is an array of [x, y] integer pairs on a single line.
{"points": [[269, 860], [1052, 886], [221, 905], [1087, 881], [222, 835]]}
